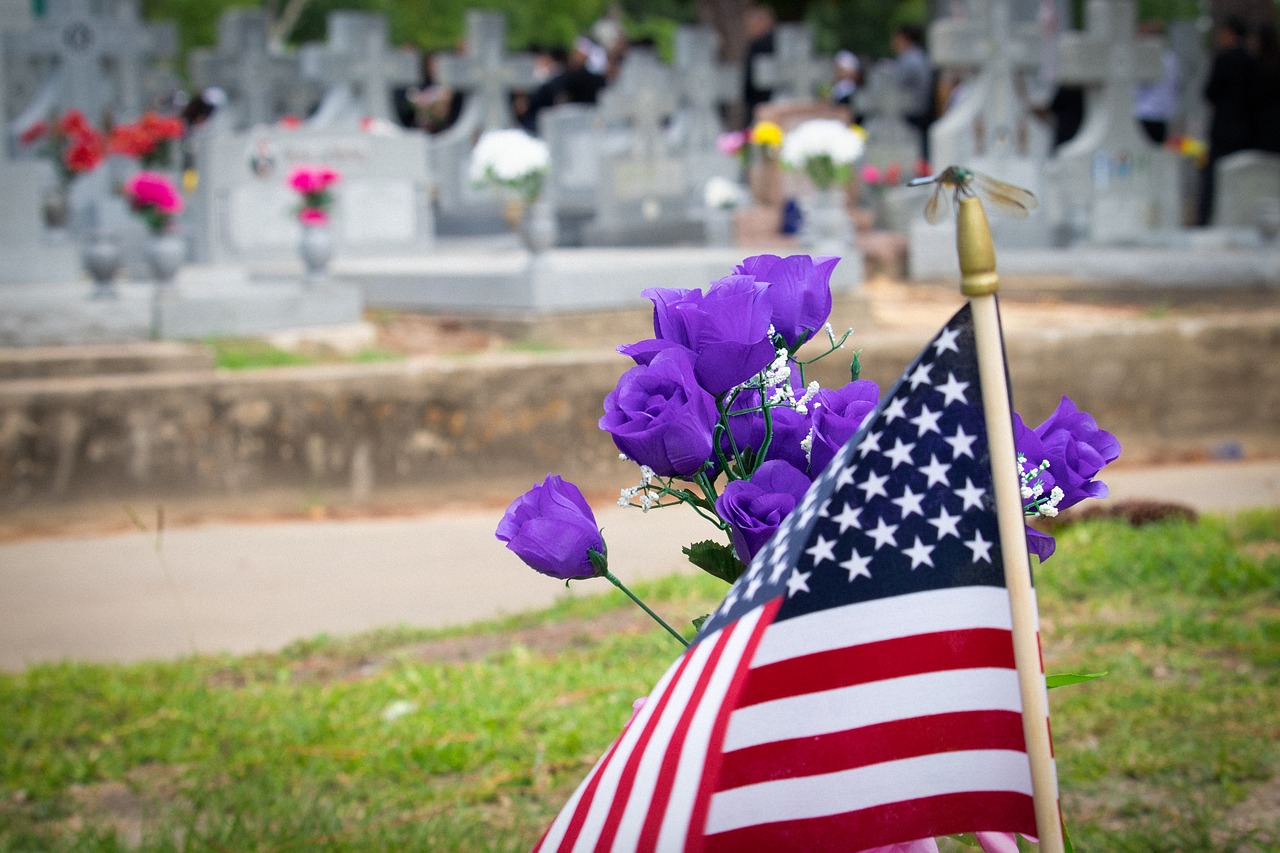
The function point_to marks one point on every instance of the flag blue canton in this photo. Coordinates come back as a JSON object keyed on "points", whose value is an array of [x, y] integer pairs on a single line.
{"points": [[905, 506]]}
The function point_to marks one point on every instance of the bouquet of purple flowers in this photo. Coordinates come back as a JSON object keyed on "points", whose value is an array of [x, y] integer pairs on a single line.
{"points": [[718, 415]]}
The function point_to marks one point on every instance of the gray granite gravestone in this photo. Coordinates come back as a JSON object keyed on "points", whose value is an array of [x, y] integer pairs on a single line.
{"points": [[705, 86], [357, 69], [487, 76], [31, 252], [644, 188], [244, 210], [991, 128], [576, 137], [260, 83], [792, 70], [1247, 193], [1110, 183], [92, 55]]}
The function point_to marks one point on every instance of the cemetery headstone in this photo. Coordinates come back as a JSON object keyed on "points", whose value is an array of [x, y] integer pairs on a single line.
{"points": [[644, 188], [1247, 193], [990, 128], [792, 70], [358, 69], [260, 83], [577, 139], [25, 243], [244, 211], [91, 55], [486, 75], [705, 87], [1110, 183]]}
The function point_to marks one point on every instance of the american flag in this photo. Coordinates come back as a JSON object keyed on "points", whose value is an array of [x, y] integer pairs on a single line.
{"points": [[857, 685]]}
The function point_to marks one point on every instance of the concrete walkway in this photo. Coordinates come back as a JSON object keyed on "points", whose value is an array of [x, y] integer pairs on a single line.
{"points": [[245, 587]]}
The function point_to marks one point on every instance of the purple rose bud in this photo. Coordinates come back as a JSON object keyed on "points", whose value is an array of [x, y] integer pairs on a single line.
{"points": [[1077, 449], [727, 328], [837, 415], [799, 292], [660, 417], [755, 508], [552, 529]]}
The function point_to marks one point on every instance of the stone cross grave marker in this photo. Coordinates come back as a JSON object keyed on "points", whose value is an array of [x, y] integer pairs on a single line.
{"points": [[358, 68], [1111, 183], [644, 187], [792, 71], [24, 243], [485, 73], [95, 53], [992, 119], [577, 140], [890, 139], [704, 85], [257, 80]]}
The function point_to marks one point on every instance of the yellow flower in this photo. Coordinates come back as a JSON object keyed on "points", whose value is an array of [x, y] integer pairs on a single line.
{"points": [[766, 133], [859, 129]]}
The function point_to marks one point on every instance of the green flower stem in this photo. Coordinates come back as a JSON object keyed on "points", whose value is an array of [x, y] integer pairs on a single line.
{"points": [[609, 576]]}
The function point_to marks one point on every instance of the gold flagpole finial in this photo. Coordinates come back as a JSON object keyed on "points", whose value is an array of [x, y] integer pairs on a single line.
{"points": [[977, 253]]}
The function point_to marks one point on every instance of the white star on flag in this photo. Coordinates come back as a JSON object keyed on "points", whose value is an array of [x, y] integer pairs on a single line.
{"points": [[953, 390], [980, 547], [920, 554], [900, 453], [883, 534], [857, 565], [927, 421], [961, 444]]}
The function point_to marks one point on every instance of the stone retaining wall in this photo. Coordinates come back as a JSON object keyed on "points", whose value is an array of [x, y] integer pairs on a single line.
{"points": [[1168, 388]]}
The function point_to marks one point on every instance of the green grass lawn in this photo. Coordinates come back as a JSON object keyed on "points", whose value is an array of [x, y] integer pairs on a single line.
{"points": [[471, 740]]}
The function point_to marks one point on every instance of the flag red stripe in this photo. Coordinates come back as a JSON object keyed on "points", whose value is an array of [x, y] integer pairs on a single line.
{"points": [[845, 667], [925, 735], [588, 796], [972, 811], [715, 747], [627, 781], [584, 803], [671, 757]]}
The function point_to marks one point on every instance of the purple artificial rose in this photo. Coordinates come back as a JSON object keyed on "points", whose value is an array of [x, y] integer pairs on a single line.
{"points": [[755, 508], [799, 292], [1077, 449], [837, 415], [659, 416], [727, 328], [1041, 544], [552, 529]]}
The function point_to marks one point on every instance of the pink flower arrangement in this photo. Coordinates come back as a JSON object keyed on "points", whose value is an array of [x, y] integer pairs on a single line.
{"points": [[313, 184], [154, 197]]}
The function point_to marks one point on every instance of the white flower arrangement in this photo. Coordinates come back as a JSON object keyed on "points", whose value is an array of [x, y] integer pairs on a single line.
{"points": [[511, 159], [723, 194], [825, 149]]}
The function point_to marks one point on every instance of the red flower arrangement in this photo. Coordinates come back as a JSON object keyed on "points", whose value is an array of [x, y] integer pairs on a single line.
{"points": [[74, 145], [147, 139]]}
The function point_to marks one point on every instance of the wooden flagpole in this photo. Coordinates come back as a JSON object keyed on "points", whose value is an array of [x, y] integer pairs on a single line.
{"points": [[979, 282]]}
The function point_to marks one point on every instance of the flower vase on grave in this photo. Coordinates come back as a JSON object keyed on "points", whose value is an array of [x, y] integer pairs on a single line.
{"points": [[56, 210], [718, 224], [537, 226], [316, 249], [165, 253], [101, 259], [827, 228]]}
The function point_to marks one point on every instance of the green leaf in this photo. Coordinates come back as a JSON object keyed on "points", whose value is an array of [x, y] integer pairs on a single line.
{"points": [[700, 621], [1064, 678], [716, 559], [855, 366]]}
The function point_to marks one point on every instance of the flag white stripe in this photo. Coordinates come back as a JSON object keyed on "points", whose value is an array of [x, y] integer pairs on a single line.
{"points": [[867, 787], [603, 803], [637, 806], [693, 757], [555, 835], [827, 711], [886, 619]]}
